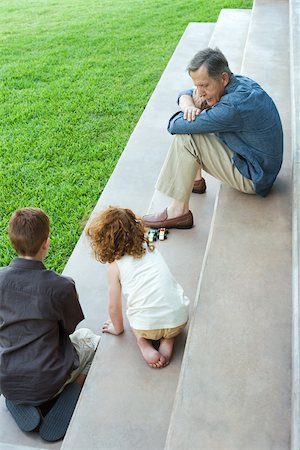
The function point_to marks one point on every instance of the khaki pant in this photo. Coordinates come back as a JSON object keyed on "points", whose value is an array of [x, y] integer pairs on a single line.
{"points": [[85, 343], [155, 335], [187, 153]]}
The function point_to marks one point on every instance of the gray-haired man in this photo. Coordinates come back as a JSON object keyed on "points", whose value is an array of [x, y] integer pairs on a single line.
{"points": [[229, 127]]}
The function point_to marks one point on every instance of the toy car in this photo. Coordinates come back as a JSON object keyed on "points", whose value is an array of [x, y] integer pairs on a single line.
{"points": [[162, 234], [152, 235]]}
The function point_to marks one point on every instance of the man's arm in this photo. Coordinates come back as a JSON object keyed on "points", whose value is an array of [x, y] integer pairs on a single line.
{"points": [[115, 324], [188, 107], [191, 104], [220, 118]]}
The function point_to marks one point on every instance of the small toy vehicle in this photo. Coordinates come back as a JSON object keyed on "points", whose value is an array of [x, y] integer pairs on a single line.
{"points": [[162, 234], [152, 236]]}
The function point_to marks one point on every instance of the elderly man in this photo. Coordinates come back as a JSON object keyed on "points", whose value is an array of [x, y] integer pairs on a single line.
{"points": [[229, 127]]}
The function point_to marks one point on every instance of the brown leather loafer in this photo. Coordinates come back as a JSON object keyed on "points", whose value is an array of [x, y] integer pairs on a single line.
{"points": [[199, 186], [161, 220]]}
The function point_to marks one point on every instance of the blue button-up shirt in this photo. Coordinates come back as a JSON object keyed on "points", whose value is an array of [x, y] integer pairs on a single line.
{"points": [[247, 121]]}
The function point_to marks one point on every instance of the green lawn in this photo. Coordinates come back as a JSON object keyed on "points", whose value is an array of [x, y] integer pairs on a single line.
{"points": [[75, 76]]}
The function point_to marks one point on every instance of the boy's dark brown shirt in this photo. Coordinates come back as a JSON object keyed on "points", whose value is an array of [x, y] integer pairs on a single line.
{"points": [[38, 311]]}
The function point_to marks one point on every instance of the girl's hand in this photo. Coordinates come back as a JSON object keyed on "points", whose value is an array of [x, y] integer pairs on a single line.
{"points": [[108, 327]]}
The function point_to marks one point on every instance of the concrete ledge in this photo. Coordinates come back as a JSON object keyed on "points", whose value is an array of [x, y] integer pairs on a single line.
{"points": [[127, 380], [295, 106], [122, 393], [235, 385]]}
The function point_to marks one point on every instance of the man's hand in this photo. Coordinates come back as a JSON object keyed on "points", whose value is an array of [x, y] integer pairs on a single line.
{"points": [[108, 327], [199, 101], [190, 113], [192, 106]]}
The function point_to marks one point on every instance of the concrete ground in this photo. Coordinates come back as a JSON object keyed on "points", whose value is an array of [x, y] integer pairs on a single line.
{"points": [[229, 386]]}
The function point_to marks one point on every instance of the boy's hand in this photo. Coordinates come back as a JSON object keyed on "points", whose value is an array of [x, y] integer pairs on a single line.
{"points": [[108, 327]]}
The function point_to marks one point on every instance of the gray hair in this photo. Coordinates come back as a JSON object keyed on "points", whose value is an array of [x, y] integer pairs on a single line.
{"points": [[214, 61]]}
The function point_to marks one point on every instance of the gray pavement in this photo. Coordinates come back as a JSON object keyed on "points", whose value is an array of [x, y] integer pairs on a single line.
{"points": [[295, 144], [235, 386]]}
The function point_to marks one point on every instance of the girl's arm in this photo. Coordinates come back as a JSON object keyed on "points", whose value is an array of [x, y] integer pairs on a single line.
{"points": [[115, 324]]}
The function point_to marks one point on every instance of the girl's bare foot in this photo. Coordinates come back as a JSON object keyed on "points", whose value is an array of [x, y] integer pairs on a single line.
{"points": [[166, 349], [154, 358]]}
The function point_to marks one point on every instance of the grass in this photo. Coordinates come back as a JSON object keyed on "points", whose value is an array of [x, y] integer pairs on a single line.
{"points": [[75, 77]]}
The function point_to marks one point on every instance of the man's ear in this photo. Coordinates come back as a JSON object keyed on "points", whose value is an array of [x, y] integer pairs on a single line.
{"points": [[225, 78]]}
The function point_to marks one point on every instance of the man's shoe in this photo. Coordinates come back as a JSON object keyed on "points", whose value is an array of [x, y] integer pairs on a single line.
{"points": [[199, 186], [161, 220]]}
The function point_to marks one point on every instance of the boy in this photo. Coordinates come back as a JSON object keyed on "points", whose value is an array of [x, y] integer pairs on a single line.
{"points": [[39, 310]]}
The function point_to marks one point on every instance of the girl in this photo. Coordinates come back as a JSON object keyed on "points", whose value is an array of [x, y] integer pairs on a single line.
{"points": [[157, 308]]}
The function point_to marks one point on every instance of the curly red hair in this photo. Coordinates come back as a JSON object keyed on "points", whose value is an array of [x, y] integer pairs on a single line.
{"points": [[116, 232]]}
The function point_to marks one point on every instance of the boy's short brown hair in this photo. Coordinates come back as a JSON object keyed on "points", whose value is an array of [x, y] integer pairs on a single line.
{"points": [[28, 228]]}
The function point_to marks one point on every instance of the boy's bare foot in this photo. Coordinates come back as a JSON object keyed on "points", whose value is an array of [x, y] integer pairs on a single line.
{"points": [[154, 358], [166, 349]]}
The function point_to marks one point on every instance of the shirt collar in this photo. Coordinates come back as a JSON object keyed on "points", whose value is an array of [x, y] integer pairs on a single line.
{"points": [[22, 263], [231, 85]]}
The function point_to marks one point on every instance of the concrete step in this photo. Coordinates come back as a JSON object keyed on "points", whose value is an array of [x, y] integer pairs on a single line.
{"points": [[234, 390], [295, 144], [136, 402], [12, 438], [18, 447], [191, 244], [124, 401]]}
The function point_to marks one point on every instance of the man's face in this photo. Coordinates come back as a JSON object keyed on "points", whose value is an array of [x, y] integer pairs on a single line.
{"points": [[209, 88]]}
